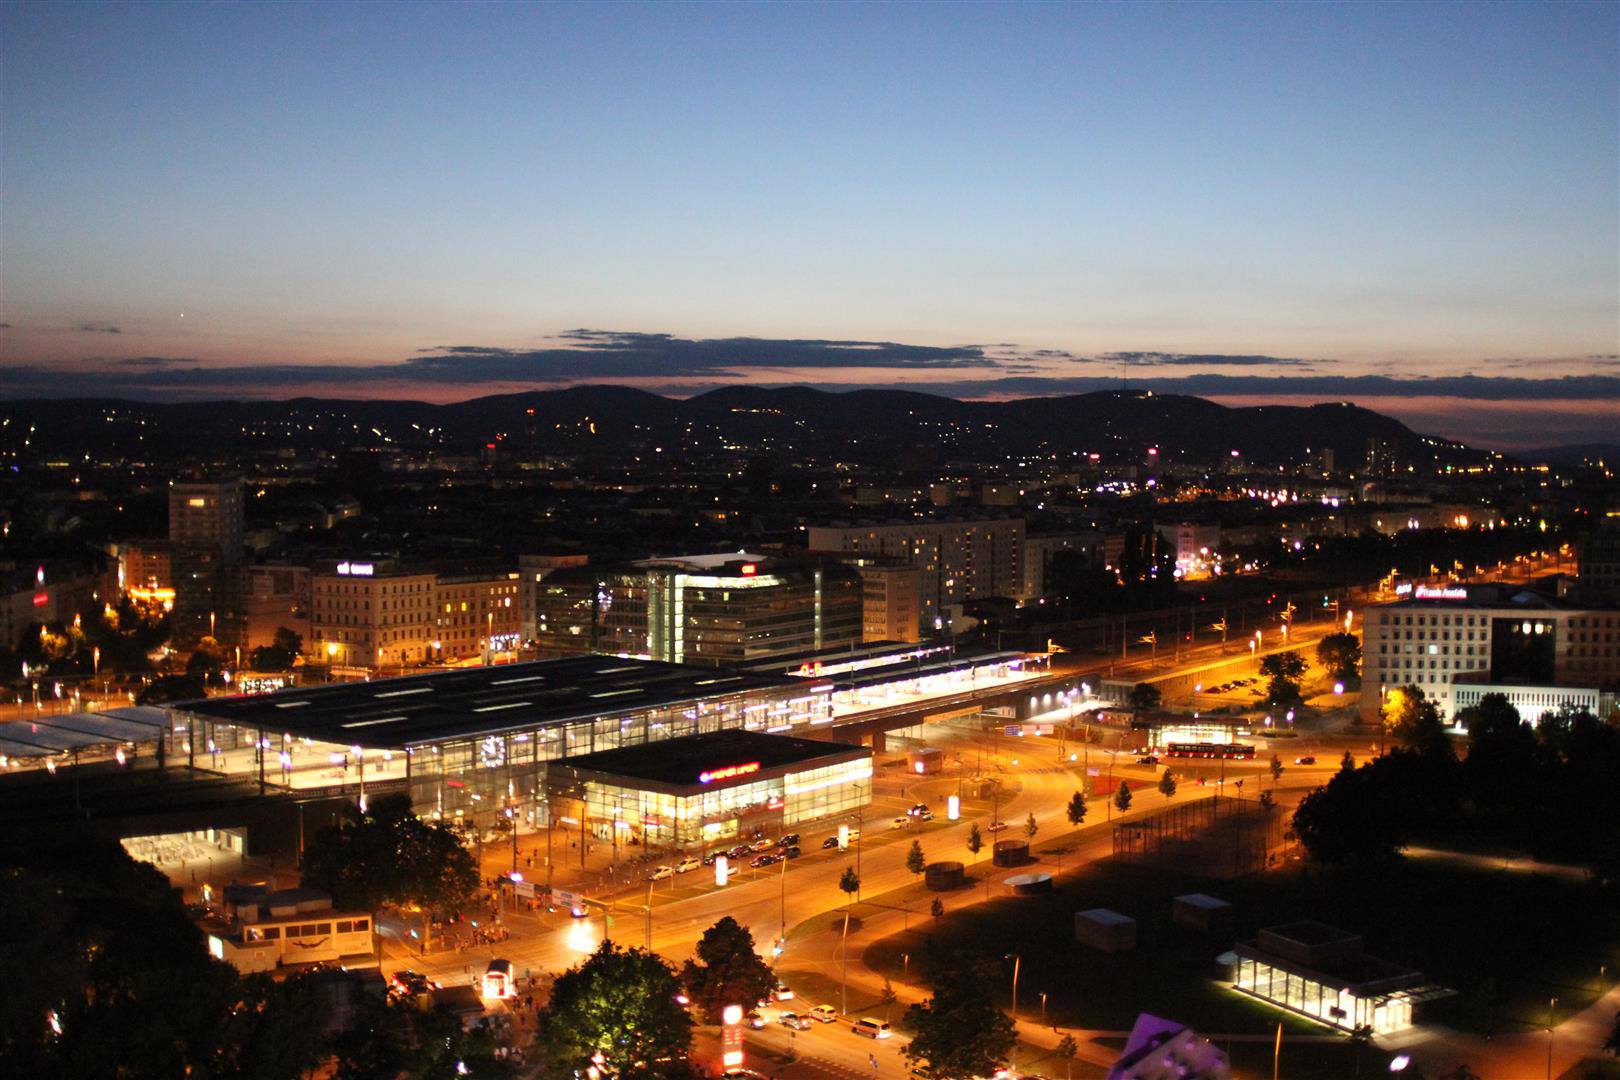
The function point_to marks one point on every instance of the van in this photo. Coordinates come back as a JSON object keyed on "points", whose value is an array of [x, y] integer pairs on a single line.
{"points": [[872, 1029]]}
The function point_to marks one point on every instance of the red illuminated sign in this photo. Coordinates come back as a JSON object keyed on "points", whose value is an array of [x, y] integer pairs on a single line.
{"points": [[41, 599], [807, 670], [728, 772], [750, 569]]}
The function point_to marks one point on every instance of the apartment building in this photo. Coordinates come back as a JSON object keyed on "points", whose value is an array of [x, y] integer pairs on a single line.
{"points": [[956, 560]]}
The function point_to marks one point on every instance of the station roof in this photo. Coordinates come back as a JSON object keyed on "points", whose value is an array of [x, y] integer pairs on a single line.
{"points": [[713, 758], [962, 661], [473, 702]]}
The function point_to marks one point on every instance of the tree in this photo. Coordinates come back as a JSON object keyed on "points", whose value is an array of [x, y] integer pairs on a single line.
{"points": [[850, 882], [1276, 769], [1076, 810], [619, 1004], [727, 970], [104, 971], [281, 654], [936, 908], [206, 660], [1145, 697], [1413, 719], [1285, 670], [888, 997], [1167, 784], [959, 1031], [400, 1038], [975, 840], [1066, 1049], [1267, 800], [916, 861], [1352, 820], [1612, 1043], [1347, 763], [1031, 827], [1122, 797], [1340, 655], [386, 854]]}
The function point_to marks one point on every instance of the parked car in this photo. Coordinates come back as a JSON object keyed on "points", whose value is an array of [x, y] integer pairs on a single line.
{"points": [[995, 826], [410, 984], [1306, 760], [781, 992], [1148, 759], [789, 840], [791, 852], [830, 842], [872, 1029], [794, 1021], [661, 873], [768, 859], [708, 860], [925, 815], [755, 1020], [918, 810], [686, 865], [738, 852], [764, 843], [899, 823], [824, 1013]]}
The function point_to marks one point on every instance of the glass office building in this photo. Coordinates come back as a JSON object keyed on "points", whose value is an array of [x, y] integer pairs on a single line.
{"points": [[1321, 973], [700, 790]]}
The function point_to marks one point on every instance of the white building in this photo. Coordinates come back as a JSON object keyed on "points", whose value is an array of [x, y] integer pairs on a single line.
{"points": [[1436, 637]]}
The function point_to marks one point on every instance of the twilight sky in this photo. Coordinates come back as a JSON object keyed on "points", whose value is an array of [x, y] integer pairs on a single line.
{"points": [[1414, 206]]}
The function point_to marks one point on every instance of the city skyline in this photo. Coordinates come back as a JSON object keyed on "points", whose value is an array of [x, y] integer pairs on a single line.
{"points": [[1409, 207]]}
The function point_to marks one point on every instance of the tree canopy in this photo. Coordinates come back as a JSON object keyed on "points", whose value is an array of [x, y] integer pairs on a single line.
{"points": [[1145, 697], [1076, 810], [727, 970], [386, 854], [960, 1033], [620, 1004], [1340, 655], [1284, 670]]}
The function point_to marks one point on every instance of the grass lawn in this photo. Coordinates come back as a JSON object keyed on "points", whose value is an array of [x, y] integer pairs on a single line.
{"points": [[1506, 941]]}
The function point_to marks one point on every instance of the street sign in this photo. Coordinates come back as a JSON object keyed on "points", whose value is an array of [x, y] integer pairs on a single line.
{"points": [[1013, 730], [1093, 772], [565, 898], [524, 889]]}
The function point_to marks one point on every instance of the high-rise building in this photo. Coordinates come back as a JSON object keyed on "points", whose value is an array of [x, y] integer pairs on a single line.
{"points": [[703, 609], [205, 554], [955, 560], [1039, 551], [532, 570], [888, 600]]}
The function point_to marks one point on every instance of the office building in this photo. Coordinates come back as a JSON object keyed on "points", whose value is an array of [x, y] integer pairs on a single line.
{"points": [[698, 790], [276, 596], [703, 609], [956, 561], [1438, 637], [532, 570]]}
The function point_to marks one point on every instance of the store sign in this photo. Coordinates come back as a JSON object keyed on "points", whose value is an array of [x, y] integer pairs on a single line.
{"points": [[808, 670], [356, 569], [41, 599], [727, 772]]}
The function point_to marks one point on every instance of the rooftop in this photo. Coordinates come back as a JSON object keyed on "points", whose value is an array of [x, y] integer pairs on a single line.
{"points": [[699, 760], [1491, 595], [473, 702]]}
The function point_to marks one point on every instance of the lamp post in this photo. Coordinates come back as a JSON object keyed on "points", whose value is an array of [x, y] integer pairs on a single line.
{"points": [[1552, 1015]]}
